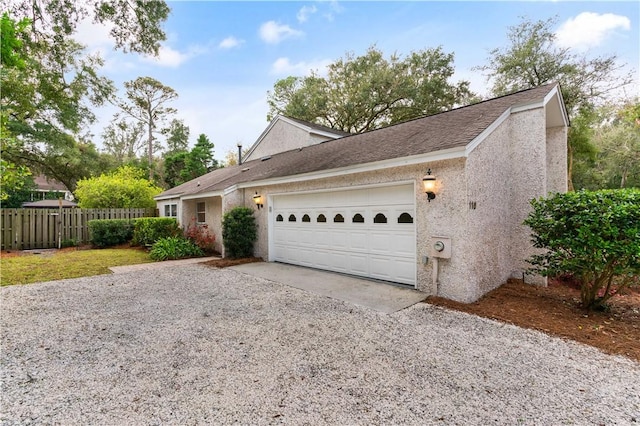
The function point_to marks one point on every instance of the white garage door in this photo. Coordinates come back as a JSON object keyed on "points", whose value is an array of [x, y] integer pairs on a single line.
{"points": [[366, 232]]}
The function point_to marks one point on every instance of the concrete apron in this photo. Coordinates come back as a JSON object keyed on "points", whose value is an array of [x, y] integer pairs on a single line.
{"points": [[370, 294]]}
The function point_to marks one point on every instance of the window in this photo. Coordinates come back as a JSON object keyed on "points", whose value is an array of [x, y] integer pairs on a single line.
{"points": [[279, 218], [171, 210], [200, 212], [380, 218], [405, 218], [292, 218], [306, 218], [357, 218], [321, 218], [338, 218]]}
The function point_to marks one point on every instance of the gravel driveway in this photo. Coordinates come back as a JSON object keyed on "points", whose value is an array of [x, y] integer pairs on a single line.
{"points": [[195, 345]]}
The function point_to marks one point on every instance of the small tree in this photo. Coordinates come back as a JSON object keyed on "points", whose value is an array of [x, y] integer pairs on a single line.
{"points": [[594, 236], [239, 232], [124, 188]]}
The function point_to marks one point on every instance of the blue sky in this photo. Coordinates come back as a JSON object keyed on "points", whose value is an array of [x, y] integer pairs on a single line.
{"points": [[223, 57]]}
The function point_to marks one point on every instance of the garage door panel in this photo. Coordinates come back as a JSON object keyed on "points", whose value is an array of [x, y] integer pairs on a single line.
{"points": [[307, 256], [384, 251], [322, 238], [322, 259], [359, 264], [379, 242], [339, 240], [358, 240], [403, 244], [338, 262], [306, 237]]}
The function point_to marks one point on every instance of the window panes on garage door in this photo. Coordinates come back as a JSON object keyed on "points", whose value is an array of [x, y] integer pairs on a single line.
{"points": [[366, 232]]}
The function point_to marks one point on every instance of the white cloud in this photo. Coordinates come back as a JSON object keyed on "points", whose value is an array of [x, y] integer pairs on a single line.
{"points": [[590, 29], [283, 66], [305, 12], [171, 58], [94, 36], [334, 9], [230, 42], [273, 33]]}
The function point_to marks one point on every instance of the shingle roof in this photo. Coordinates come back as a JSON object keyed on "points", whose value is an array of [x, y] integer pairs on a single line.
{"points": [[451, 129]]}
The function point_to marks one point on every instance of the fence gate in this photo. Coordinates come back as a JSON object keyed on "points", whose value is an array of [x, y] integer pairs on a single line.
{"points": [[25, 229]]}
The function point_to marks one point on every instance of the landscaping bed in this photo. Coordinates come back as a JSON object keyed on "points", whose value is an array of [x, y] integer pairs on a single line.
{"points": [[556, 310]]}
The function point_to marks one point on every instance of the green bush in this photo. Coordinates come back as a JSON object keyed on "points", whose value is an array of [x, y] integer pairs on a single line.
{"points": [[174, 248], [125, 187], [110, 232], [593, 236], [148, 230], [239, 232], [68, 243]]}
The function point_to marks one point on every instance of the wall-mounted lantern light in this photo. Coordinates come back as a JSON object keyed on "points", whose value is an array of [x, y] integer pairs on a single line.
{"points": [[429, 184], [258, 200]]}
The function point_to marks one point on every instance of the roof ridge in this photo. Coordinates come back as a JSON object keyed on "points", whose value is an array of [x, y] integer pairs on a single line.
{"points": [[450, 110]]}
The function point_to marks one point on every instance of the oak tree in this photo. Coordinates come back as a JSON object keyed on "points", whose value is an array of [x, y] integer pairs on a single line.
{"points": [[362, 93]]}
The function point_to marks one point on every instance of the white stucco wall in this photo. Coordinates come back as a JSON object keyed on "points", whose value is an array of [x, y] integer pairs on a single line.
{"points": [[499, 178], [283, 137], [213, 216], [557, 160]]}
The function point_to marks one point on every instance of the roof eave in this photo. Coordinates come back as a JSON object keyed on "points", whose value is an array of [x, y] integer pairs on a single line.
{"points": [[446, 154]]}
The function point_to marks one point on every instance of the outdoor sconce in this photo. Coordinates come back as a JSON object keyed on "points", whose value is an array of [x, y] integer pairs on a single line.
{"points": [[429, 184], [258, 200]]}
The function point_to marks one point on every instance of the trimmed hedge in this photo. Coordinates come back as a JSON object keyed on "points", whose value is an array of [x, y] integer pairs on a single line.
{"points": [[110, 232], [148, 230], [239, 232]]}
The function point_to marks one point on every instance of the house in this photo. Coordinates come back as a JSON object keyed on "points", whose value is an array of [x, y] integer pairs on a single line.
{"points": [[435, 203], [47, 188]]}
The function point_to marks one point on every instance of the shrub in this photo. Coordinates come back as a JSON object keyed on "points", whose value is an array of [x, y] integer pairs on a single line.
{"points": [[110, 232], [239, 232], [125, 187], [174, 248], [593, 236], [201, 236], [68, 243], [148, 230]]}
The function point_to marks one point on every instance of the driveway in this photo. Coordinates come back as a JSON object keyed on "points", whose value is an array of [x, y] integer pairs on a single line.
{"points": [[195, 345]]}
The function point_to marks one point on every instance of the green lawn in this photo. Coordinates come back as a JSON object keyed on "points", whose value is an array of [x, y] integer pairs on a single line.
{"points": [[31, 268]]}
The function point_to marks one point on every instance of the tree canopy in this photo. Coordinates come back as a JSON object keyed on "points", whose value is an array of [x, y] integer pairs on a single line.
{"points": [[182, 166], [362, 93], [124, 188], [533, 58], [146, 103], [50, 83]]}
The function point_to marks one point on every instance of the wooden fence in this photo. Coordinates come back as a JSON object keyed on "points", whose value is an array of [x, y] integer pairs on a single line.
{"points": [[25, 229]]}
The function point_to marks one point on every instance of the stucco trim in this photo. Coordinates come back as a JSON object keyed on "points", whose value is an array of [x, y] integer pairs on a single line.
{"points": [[167, 197], [486, 132], [446, 154], [203, 195]]}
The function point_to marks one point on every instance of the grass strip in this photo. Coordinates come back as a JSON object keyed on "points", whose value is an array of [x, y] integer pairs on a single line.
{"points": [[31, 268]]}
